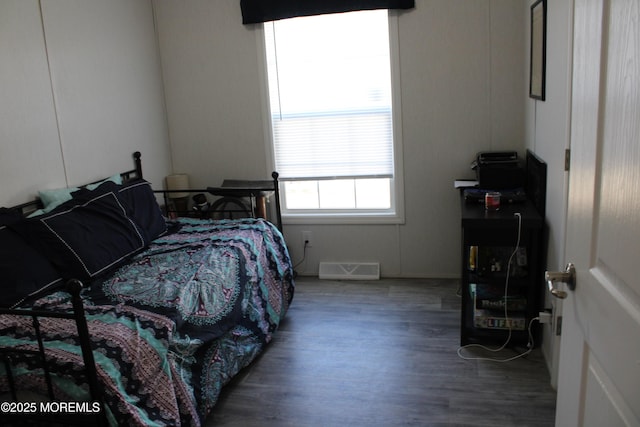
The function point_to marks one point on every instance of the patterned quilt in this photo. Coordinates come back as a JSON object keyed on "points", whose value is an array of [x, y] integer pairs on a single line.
{"points": [[174, 324]]}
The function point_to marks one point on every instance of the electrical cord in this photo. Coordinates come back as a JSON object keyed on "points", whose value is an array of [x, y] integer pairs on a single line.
{"points": [[491, 359], [304, 255], [506, 315]]}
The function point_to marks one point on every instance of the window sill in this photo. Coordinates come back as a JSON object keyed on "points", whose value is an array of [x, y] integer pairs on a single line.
{"points": [[356, 218]]}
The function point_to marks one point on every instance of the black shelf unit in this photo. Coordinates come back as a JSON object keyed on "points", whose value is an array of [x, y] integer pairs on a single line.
{"points": [[489, 239]]}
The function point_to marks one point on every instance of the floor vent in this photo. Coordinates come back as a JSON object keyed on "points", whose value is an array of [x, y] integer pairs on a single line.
{"points": [[349, 271]]}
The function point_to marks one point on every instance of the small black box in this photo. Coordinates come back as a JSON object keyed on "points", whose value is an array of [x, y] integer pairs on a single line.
{"points": [[499, 170]]}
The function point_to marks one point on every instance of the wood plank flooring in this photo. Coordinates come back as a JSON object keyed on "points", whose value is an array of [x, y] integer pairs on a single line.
{"points": [[382, 353]]}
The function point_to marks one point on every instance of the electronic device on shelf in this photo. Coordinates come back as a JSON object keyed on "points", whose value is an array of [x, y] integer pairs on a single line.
{"points": [[498, 170]]}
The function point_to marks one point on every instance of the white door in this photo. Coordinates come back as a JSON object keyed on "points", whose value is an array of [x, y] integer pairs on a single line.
{"points": [[599, 374]]}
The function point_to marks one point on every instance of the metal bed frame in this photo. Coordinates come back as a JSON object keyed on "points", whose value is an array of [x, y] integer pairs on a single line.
{"points": [[30, 414], [74, 287]]}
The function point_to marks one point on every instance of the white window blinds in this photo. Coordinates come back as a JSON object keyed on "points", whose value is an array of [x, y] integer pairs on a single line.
{"points": [[330, 95]]}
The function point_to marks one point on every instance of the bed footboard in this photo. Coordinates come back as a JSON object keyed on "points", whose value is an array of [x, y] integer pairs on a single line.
{"points": [[18, 406], [233, 199]]}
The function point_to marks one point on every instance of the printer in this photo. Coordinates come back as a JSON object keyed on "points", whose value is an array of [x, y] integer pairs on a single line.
{"points": [[498, 170]]}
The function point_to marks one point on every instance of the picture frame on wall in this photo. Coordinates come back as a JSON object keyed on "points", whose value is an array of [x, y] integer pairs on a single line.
{"points": [[538, 59]]}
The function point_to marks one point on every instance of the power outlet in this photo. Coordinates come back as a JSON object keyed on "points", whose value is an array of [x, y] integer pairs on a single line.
{"points": [[545, 316], [307, 239]]}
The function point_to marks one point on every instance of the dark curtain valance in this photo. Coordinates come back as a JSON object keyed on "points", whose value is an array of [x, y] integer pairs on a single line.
{"points": [[254, 11]]}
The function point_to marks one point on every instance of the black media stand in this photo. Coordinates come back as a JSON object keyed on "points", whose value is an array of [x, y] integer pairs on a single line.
{"points": [[489, 239]]}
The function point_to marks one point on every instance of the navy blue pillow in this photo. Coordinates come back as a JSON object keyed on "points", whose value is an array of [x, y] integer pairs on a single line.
{"points": [[86, 236], [142, 207], [139, 202], [24, 272]]}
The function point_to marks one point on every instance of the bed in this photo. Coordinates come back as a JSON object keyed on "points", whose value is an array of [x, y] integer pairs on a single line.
{"points": [[115, 315]]}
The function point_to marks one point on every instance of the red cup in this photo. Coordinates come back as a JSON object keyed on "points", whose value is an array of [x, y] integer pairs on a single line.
{"points": [[492, 201]]}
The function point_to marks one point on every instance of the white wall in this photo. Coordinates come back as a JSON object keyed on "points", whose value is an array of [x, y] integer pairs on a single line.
{"points": [[462, 71], [209, 64], [30, 153], [548, 135], [81, 91]]}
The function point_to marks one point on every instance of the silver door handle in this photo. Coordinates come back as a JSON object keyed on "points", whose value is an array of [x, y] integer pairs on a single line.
{"points": [[568, 276]]}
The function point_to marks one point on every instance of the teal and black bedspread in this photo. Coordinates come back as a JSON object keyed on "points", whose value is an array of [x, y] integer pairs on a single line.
{"points": [[171, 327]]}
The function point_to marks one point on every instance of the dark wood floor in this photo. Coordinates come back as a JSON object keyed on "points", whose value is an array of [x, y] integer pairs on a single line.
{"points": [[381, 353]]}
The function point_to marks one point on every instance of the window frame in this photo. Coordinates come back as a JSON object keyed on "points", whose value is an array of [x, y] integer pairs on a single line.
{"points": [[395, 215]]}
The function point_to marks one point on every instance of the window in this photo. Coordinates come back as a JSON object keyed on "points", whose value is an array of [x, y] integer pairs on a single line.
{"points": [[331, 109]]}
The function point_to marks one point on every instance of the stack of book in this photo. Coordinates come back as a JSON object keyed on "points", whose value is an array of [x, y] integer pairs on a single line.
{"points": [[489, 308]]}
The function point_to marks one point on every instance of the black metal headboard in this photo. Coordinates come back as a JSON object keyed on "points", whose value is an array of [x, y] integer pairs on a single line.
{"points": [[134, 173]]}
